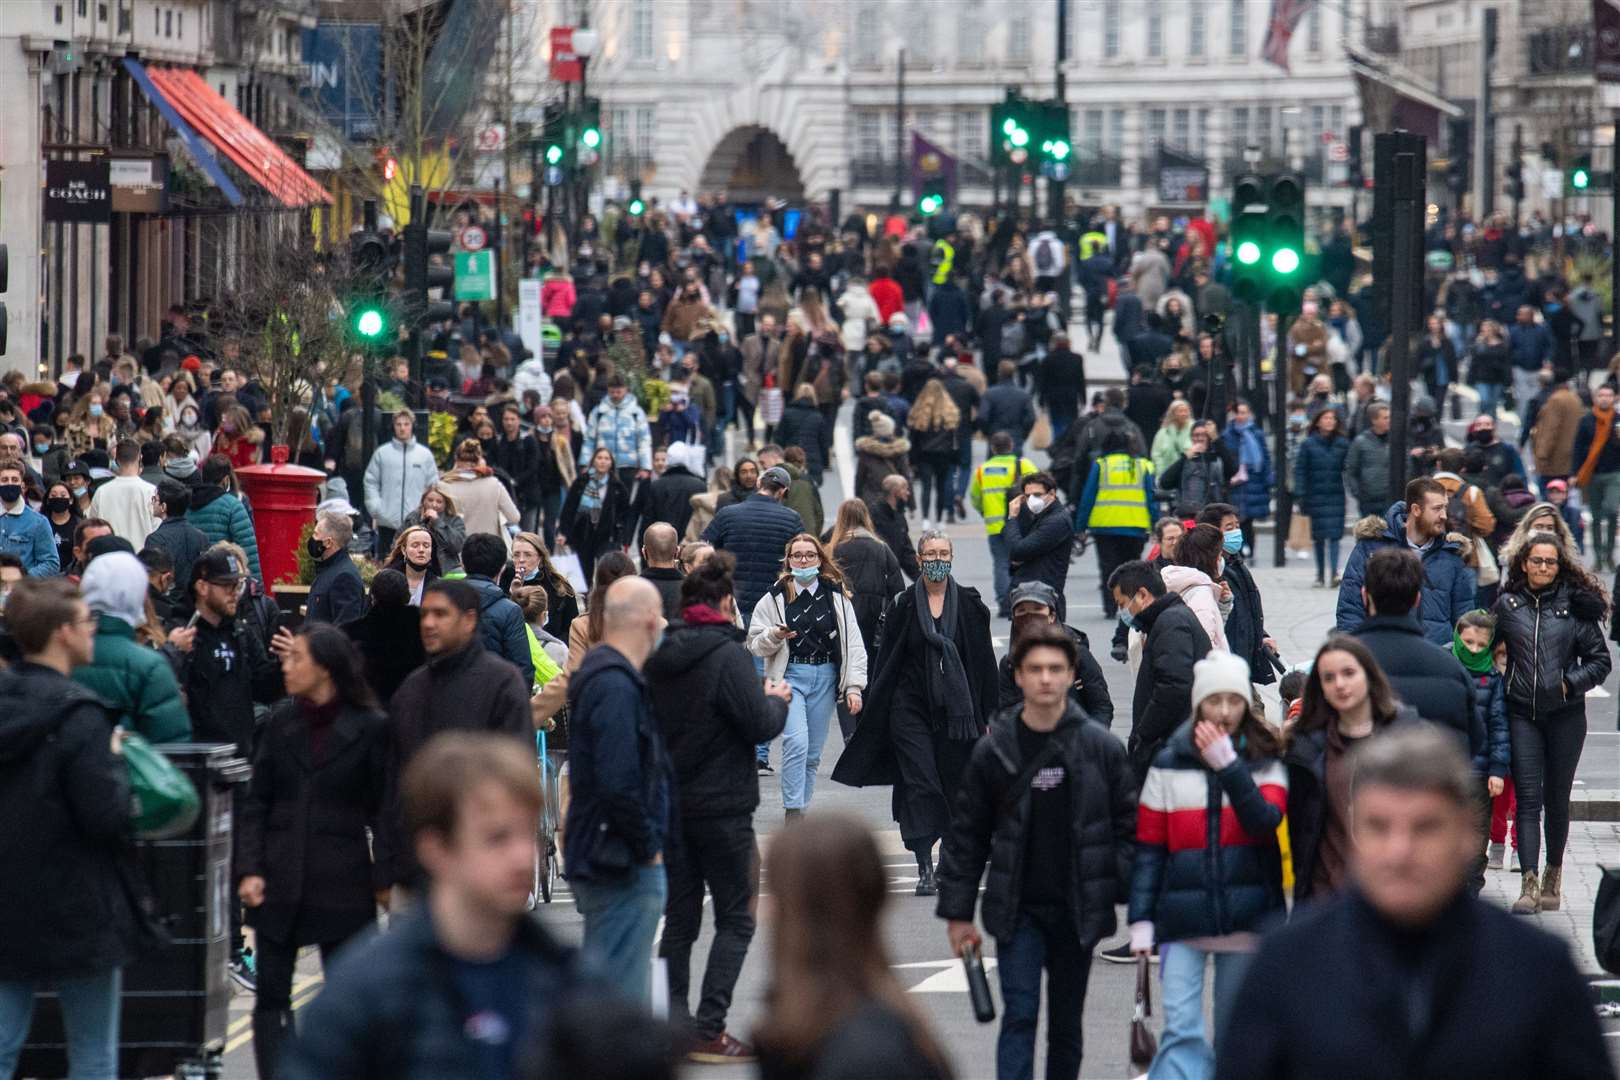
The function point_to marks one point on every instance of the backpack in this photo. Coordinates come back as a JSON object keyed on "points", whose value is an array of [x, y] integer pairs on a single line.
{"points": [[1457, 513], [1202, 482], [1014, 339], [1048, 256]]}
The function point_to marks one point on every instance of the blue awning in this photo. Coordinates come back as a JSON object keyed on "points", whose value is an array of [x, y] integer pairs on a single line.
{"points": [[200, 150]]}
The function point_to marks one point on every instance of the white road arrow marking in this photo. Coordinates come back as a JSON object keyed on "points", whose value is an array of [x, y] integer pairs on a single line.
{"points": [[948, 977]]}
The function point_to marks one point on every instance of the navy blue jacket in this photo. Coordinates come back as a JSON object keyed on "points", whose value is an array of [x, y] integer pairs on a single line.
{"points": [[1490, 702], [1192, 877], [1448, 585], [756, 531], [501, 626], [620, 771], [337, 595], [1430, 679], [1319, 484]]}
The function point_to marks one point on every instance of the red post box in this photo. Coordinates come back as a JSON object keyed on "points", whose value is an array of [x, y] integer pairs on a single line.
{"points": [[283, 498]]}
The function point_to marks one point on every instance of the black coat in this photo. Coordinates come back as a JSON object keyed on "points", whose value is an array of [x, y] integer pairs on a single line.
{"points": [[802, 425], [891, 527], [989, 825], [1500, 1001], [608, 530], [337, 595], [868, 759], [667, 580], [708, 702], [669, 498], [228, 669], [519, 458], [756, 531], [64, 799], [1246, 626], [183, 542], [304, 821], [1061, 382], [1163, 698], [1090, 689], [1553, 639], [1428, 678], [1039, 546], [390, 641], [873, 575]]}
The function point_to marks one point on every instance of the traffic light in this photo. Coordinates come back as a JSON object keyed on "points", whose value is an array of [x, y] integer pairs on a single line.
{"points": [[931, 194], [1053, 131], [1248, 238], [590, 123], [1515, 179], [1358, 178], [636, 206], [1460, 146], [553, 135], [1285, 243], [370, 260], [1580, 172], [370, 322], [1011, 131], [421, 244]]}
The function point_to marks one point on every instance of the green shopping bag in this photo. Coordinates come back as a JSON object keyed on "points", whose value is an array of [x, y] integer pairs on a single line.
{"points": [[163, 801]]}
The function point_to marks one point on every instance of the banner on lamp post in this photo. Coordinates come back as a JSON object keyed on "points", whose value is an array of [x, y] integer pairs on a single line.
{"points": [[565, 63]]}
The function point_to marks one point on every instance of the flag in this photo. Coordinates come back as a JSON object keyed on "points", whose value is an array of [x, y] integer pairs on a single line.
{"points": [[931, 161], [1285, 16]]}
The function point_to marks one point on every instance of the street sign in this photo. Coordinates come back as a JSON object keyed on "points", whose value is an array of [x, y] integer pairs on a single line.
{"points": [[530, 329], [475, 275], [1339, 152], [473, 238], [1552, 183], [1055, 170], [554, 175]]}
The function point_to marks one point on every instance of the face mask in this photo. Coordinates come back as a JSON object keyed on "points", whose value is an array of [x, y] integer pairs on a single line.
{"points": [[180, 468], [10, 493], [316, 547], [228, 428], [1125, 618], [1022, 623], [188, 419], [804, 575], [1296, 419], [532, 574], [41, 449], [58, 505], [95, 410], [409, 561], [1036, 503], [936, 569], [1232, 541], [1482, 436], [78, 490]]}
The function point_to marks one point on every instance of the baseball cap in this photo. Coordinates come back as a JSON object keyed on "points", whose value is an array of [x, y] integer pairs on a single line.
{"points": [[776, 477], [1557, 485], [217, 568], [1034, 592], [77, 467], [191, 363]]}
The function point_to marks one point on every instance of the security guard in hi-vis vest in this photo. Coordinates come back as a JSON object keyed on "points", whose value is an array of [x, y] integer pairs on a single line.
{"points": [[994, 484]]}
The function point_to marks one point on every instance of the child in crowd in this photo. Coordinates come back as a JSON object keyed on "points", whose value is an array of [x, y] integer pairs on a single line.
{"points": [[1291, 689], [1472, 644], [1557, 492]]}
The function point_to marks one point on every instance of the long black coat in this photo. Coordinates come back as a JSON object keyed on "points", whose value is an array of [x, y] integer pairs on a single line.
{"points": [[1163, 698], [1246, 626], [611, 524], [802, 425], [64, 799], [390, 641], [873, 574], [868, 760], [304, 823]]}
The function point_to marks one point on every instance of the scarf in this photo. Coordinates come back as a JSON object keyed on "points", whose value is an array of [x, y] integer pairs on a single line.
{"points": [[1478, 663], [703, 615], [1251, 454], [595, 490], [950, 693], [1600, 439]]}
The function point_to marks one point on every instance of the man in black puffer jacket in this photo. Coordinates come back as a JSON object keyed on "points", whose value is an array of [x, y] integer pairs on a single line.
{"points": [[1175, 641], [1048, 801], [708, 703], [757, 531], [500, 620], [1034, 604], [669, 498], [1039, 535]]}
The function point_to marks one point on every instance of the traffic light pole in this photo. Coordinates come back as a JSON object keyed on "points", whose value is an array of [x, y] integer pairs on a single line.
{"points": [[1614, 236], [1054, 186], [1279, 440], [1407, 191]]}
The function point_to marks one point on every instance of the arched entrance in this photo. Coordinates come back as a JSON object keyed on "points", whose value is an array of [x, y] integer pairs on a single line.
{"points": [[751, 164]]}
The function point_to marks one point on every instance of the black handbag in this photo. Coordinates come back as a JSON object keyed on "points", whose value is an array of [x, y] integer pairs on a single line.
{"points": [[1144, 1048], [1606, 920]]}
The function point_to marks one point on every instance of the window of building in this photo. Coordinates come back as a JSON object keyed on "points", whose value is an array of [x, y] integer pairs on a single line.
{"points": [[1336, 121], [1195, 27], [1262, 128], [101, 12], [646, 126], [970, 36], [868, 36], [1155, 28], [1091, 129], [1181, 129], [168, 23], [157, 19], [59, 14], [1313, 29], [1237, 28], [1110, 28], [1240, 129], [1115, 143], [972, 132], [1155, 128], [125, 17], [1201, 131], [641, 29], [180, 24], [620, 137], [1018, 44], [295, 49], [84, 9]]}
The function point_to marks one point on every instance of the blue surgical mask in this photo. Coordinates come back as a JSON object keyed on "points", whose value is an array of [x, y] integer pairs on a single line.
{"points": [[95, 410], [1232, 541], [1125, 618], [804, 575]]}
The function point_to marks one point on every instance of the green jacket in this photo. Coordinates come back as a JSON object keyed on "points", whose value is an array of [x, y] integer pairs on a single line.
{"points": [[805, 497], [137, 682], [221, 516]]}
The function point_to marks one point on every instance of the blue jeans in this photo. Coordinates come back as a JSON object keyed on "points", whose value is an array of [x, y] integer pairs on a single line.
{"points": [[621, 919], [1490, 398], [762, 752], [89, 1014], [1000, 571], [1184, 1052], [810, 713], [1019, 960], [963, 474]]}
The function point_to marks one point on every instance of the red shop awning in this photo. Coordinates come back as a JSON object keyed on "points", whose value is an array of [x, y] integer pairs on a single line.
{"points": [[248, 148]]}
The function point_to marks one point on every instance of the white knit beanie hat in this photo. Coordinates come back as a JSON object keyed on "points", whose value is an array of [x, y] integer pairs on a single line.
{"points": [[1220, 672]]}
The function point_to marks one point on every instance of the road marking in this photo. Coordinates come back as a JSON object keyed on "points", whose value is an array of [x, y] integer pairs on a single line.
{"points": [[949, 976], [301, 997], [1598, 691]]}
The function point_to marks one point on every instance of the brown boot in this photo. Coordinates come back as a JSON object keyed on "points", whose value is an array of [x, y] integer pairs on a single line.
{"points": [[1549, 888], [1529, 901]]}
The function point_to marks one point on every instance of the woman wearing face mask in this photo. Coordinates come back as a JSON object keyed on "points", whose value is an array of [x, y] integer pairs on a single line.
{"points": [[933, 694], [807, 631], [62, 511], [88, 426], [178, 399], [1201, 889], [531, 566], [414, 554]]}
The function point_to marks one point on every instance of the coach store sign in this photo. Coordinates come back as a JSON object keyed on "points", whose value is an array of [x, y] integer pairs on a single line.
{"points": [[78, 191]]}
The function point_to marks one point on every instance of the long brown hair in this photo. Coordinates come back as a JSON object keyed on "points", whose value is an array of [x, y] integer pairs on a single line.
{"points": [[830, 571], [828, 957], [934, 409], [852, 515], [1315, 712], [609, 568], [548, 569]]}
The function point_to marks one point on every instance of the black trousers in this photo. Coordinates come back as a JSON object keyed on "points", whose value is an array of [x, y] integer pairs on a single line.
{"points": [[930, 772], [1114, 551], [718, 852], [272, 1005], [1545, 753]]}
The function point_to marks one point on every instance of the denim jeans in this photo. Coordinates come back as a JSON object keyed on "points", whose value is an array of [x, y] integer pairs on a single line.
{"points": [[762, 752], [1490, 398], [963, 475], [1019, 960], [1184, 1052], [810, 713], [90, 1013], [621, 919], [720, 853], [1000, 571]]}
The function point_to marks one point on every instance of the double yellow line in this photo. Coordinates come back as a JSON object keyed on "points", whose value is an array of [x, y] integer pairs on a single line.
{"points": [[240, 1031]]}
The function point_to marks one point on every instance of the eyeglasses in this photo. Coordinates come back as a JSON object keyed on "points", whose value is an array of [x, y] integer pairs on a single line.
{"points": [[804, 557], [1544, 563]]}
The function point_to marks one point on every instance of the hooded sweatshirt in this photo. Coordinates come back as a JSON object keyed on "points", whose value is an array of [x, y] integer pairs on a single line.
{"points": [[1203, 596], [136, 681]]}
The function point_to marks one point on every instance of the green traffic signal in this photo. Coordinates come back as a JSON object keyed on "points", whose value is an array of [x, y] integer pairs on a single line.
{"points": [[1059, 150], [592, 138], [554, 154], [1018, 136], [369, 323], [637, 207], [1285, 260], [1009, 126], [930, 204], [1580, 179], [1248, 253]]}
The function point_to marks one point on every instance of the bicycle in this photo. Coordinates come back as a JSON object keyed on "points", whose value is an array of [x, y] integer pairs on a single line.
{"points": [[546, 856]]}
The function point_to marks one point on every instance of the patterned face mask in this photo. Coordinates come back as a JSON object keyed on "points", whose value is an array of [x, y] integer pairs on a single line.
{"points": [[936, 569]]}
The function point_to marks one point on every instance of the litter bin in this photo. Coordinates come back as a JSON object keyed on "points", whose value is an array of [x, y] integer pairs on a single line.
{"points": [[176, 998]]}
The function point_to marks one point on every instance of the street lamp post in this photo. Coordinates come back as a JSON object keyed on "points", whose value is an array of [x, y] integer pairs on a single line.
{"points": [[585, 41]]}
